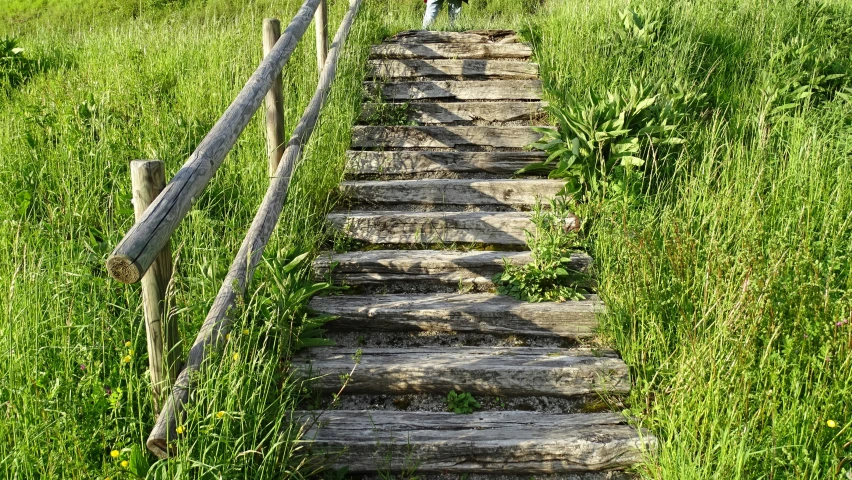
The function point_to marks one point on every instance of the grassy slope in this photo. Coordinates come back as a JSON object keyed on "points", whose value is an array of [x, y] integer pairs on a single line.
{"points": [[724, 289]]}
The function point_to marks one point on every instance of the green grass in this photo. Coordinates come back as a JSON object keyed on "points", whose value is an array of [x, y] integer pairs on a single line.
{"points": [[724, 287]]}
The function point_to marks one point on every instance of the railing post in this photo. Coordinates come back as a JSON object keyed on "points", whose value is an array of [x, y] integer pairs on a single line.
{"points": [[274, 100], [148, 179], [321, 22]]}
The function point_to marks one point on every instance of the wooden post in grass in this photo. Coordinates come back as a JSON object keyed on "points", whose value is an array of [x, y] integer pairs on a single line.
{"points": [[148, 179], [321, 21], [275, 141]]}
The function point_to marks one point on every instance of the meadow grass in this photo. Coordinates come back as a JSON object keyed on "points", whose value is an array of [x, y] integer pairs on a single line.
{"points": [[726, 286]]}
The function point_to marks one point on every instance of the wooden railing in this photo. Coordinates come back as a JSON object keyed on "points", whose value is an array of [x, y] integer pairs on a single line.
{"points": [[144, 253]]}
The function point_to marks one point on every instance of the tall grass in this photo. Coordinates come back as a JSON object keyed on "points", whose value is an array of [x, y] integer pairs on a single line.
{"points": [[727, 290]]}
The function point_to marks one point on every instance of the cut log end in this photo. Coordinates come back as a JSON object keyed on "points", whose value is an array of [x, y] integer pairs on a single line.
{"points": [[123, 269], [159, 447]]}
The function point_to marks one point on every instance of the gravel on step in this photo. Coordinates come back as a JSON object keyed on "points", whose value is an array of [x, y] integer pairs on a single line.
{"points": [[443, 339]]}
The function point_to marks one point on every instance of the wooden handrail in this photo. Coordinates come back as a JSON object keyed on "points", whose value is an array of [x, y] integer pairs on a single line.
{"points": [[216, 326], [143, 242]]}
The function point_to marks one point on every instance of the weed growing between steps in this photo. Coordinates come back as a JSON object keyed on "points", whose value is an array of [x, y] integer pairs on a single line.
{"points": [[462, 402], [548, 278]]}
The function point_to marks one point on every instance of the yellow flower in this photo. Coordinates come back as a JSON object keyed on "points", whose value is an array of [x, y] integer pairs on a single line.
{"points": [[245, 331], [130, 351], [124, 463], [220, 414], [114, 454], [236, 356], [128, 344], [227, 337], [831, 424], [126, 359], [180, 429]]}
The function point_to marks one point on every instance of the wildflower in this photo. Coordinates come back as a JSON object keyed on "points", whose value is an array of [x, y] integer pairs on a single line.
{"points": [[180, 429], [236, 356], [220, 414], [130, 352], [114, 454], [126, 359], [128, 344], [124, 463], [245, 331], [107, 390], [227, 337], [82, 367], [831, 424]]}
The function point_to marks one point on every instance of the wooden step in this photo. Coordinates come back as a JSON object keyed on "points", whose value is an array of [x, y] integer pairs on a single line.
{"points": [[471, 36], [449, 113], [509, 371], [399, 268], [511, 442], [455, 312], [451, 50], [413, 68], [442, 137], [401, 162], [490, 228], [453, 191], [455, 90]]}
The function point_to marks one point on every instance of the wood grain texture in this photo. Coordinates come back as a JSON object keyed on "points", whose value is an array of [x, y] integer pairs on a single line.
{"points": [[453, 191], [142, 243], [455, 90], [490, 228], [470, 68], [148, 178], [458, 112], [424, 267], [484, 442], [442, 137], [470, 36], [365, 162], [451, 50], [217, 324], [321, 27], [457, 312], [510, 371], [275, 140]]}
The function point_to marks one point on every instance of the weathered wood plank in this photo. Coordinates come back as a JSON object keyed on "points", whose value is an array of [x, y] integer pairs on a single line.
{"points": [[217, 324], [510, 371], [462, 191], [143, 242], [451, 50], [470, 36], [442, 137], [491, 228], [449, 113], [366, 162], [275, 139], [424, 267], [470, 68], [456, 90], [486, 442], [455, 312]]}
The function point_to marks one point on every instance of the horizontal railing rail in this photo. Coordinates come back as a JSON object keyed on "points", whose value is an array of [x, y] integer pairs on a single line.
{"points": [[217, 324]]}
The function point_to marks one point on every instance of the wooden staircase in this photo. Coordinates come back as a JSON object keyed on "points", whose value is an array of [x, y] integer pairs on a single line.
{"points": [[427, 320]]}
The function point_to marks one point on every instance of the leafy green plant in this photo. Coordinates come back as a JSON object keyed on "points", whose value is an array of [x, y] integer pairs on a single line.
{"points": [[462, 402], [15, 68], [640, 24], [799, 73], [383, 113], [550, 276], [601, 144]]}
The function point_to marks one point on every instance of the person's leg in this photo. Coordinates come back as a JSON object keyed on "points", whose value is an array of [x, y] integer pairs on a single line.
{"points": [[432, 9], [454, 10]]}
